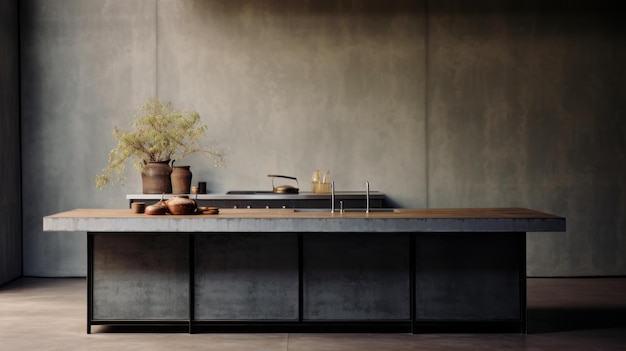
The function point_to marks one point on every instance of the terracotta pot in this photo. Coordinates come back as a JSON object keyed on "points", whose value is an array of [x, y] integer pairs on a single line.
{"points": [[181, 179], [155, 178]]}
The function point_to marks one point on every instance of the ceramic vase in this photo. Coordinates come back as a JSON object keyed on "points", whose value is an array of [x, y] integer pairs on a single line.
{"points": [[181, 180], [155, 178]]}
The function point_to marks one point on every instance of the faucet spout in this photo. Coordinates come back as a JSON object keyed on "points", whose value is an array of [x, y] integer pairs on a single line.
{"points": [[332, 197], [367, 197]]}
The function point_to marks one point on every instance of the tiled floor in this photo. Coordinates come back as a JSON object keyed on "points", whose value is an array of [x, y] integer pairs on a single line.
{"points": [[564, 314]]}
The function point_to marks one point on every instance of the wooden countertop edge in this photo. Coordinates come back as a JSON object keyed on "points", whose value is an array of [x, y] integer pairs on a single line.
{"points": [[290, 221], [402, 213]]}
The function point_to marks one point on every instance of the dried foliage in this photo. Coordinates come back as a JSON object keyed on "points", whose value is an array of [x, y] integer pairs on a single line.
{"points": [[158, 133]]}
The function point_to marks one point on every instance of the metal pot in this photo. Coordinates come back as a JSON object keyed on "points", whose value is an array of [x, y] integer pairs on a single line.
{"points": [[284, 189]]}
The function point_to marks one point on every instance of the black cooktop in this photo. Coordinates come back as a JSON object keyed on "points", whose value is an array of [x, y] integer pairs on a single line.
{"points": [[249, 192]]}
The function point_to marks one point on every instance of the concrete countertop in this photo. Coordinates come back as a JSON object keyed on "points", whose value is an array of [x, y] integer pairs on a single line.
{"points": [[292, 221]]}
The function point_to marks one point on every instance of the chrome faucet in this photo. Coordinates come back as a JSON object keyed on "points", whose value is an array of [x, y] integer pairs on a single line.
{"points": [[367, 197], [332, 197]]}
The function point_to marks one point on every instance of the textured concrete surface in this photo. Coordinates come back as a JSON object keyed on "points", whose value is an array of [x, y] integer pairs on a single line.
{"points": [[459, 278], [448, 103], [523, 110], [85, 67], [286, 220], [350, 277], [253, 276], [124, 281]]}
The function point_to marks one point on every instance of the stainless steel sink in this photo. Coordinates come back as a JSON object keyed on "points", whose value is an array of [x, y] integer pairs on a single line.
{"points": [[362, 210]]}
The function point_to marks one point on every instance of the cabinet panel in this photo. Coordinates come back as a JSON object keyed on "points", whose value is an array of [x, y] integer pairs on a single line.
{"points": [[356, 277], [469, 277], [304, 280], [139, 277], [246, 277]]}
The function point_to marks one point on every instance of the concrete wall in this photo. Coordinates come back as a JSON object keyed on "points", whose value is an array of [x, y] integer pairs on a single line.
{"points": [[438, 104], [10, 200], [86, 65], [525, 109]]}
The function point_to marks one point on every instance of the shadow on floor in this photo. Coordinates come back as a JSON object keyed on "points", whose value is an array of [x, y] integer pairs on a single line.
{"points": [[161, 329], [550, 320], [540, 320]]}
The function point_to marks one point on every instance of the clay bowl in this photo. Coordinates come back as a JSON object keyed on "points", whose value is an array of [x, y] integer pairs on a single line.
{"points": [[181, 206]]}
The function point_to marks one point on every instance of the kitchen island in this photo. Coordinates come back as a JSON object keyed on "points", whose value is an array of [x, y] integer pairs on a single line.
{"points": [[286, 270]]}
